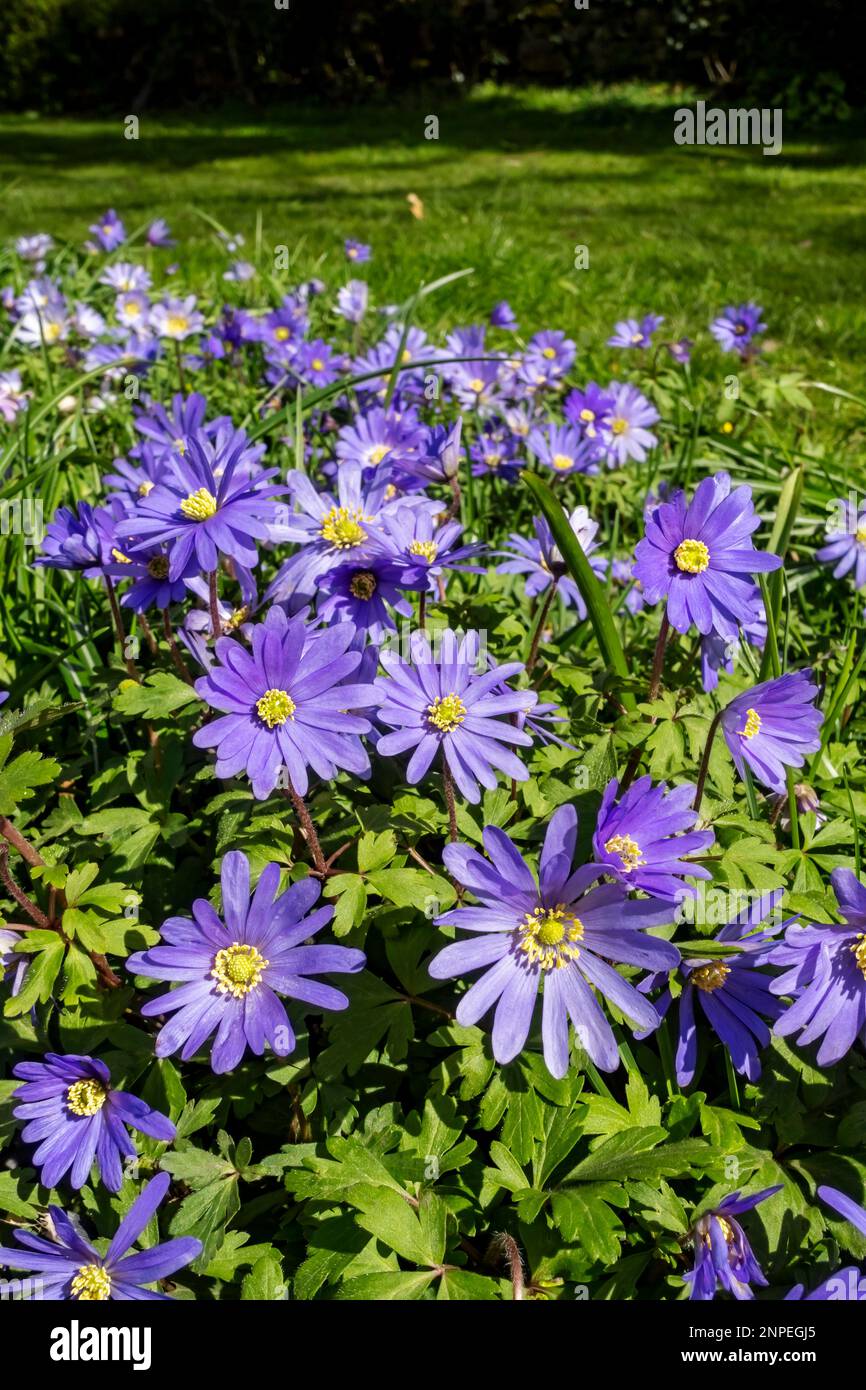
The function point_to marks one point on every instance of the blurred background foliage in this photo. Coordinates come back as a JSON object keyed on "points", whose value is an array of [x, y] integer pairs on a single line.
{"points": [[99, 56]]}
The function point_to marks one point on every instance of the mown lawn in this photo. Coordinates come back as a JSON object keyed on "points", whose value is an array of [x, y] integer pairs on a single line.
{"points": [[513, 184]]}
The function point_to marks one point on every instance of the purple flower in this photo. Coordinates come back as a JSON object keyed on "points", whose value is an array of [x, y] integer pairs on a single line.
{"points": [[109, 231], [733, 991], [151, 586], [628, 333], [641, 839], [205, 510], [70, 1269], [850, 1210], [423, 550], [589, 410], [239, 271], [541, 560], [773, 726], [318, 363], [681, 350], [826, 972], [287, 704], [549, 355], [563, 449], [176, 318], [551, 932], [75, 1116], [440, 703], [501, 316], [846, 1285], [723, 1255], [13, 964], [357, 251], [361, 592], [232, 968], [158, 233], [81, 541], [625, 434], [700, 557], [846, 544], [352, 300], [735, 328]]}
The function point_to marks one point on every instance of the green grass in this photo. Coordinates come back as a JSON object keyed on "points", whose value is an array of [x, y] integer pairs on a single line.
{"points": [[514, 183]]}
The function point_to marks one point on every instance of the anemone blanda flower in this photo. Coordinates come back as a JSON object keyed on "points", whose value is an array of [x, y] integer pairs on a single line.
{"points": [[80, 540], [681, 350], [206, 509], [846, 543], [422, 550], [773, 726], [357, 251], [13, 964], [232, 968], [540, 559], [735, 328], [109, 231], [176, 318], [71, 1111], [158, 233], [551, 932], [625, 432], [70, 1269], [629, 333], [723, 1255], [439, 704], [549, 355], [589, 410], [825, 972], [700, 557], [562, 448], [148, 574], [735, 995], [642, 839], [501, 316], [287, 704], [363, 593], [352, 301]]}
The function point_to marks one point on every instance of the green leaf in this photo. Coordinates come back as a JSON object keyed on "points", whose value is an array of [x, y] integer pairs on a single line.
{"points": [[19, 778], [158, 697], [386, 1287], [375, 851], [581, 1216], [264, 1283]]}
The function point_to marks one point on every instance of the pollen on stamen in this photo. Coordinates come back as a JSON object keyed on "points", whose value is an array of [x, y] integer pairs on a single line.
{"points": [[200, 505], [446, 712], [342, 527], [627, 849], [85, 1097], [710, 977], [92, 1284], [752, 725], [692, 557], [275, 707], [238, 969], [548, 937]]}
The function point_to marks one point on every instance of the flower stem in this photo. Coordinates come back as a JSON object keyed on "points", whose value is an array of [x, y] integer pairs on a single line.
{"points": [[180, 374], [148, 633], [539, 626], [35, 913], [213, 600], [422, 610], [659, 658], [705, 760], [309, 830], [131, 667], [176, 656], [751, 798], [448, 784], [733, 1088]]}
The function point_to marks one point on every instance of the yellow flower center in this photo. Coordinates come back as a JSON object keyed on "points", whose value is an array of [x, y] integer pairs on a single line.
{"points": [[752, 725], [132, 310], [351, 253], [85, 1097], [317, 364], [199, 505], [587, 414], [425, 548], [363, 585], [549, 936], [238, 969], [627, 849], [446, 712], [727, 428], [121, 559], [177, 323], [860, 534], [377, 453], [636, 337], [619, 425], [549, 353], [157, 567], [145, 488], [406, 355], [92, 1284], [710, 977], [52, 332], [239, 616], [692, 557], [476, 384], [275, 707], [562, 462], [492, 460], [342, 527], [180, 445], [281, 333], [859, 950]]}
